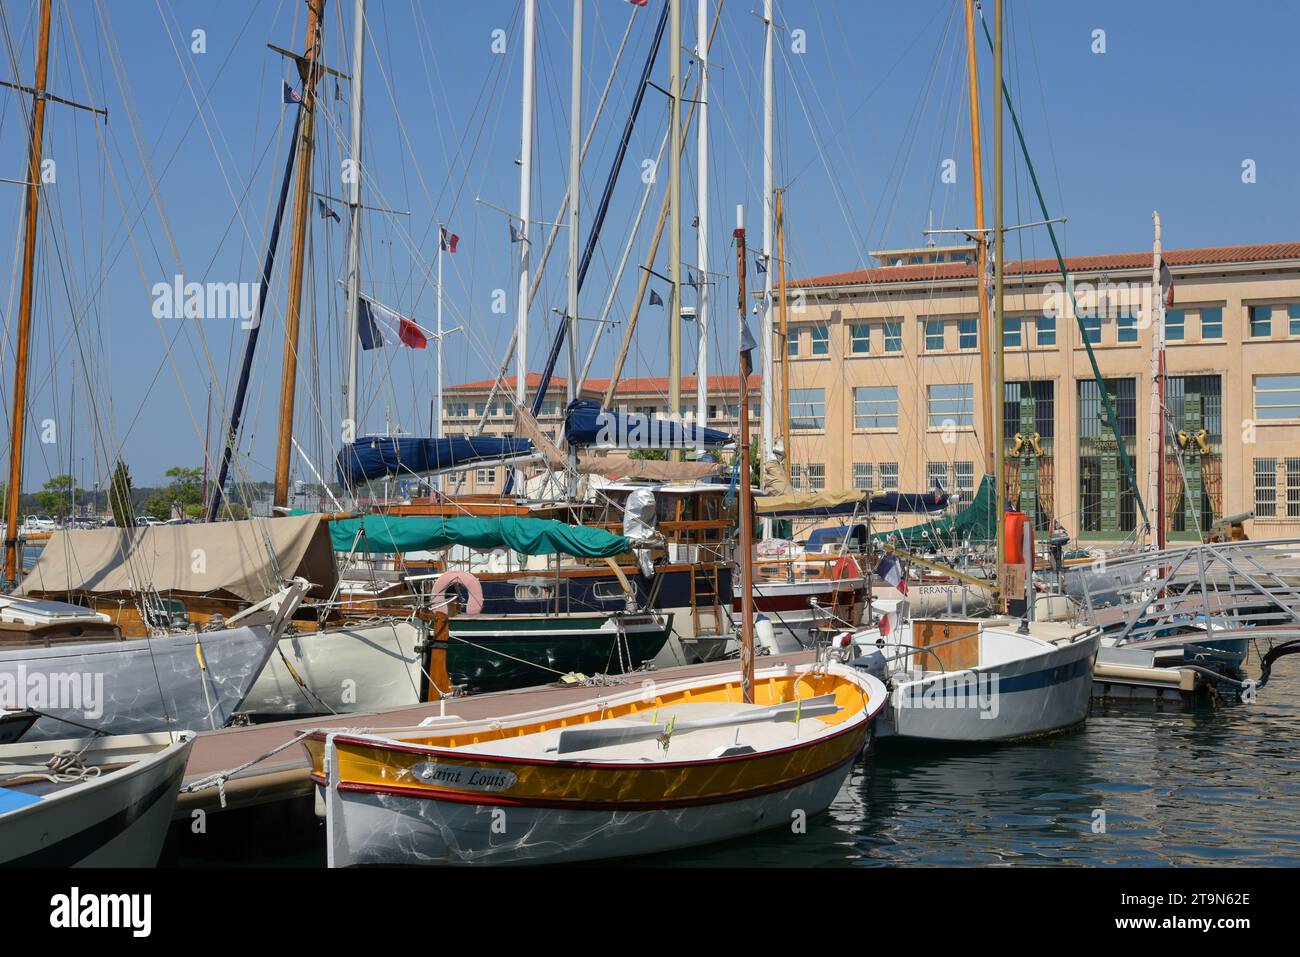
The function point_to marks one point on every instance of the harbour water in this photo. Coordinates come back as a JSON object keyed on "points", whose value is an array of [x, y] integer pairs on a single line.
{"points": [[1177, 786]]}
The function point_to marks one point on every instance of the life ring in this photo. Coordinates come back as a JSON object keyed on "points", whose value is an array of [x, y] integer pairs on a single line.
{"points": [[466, 580]]}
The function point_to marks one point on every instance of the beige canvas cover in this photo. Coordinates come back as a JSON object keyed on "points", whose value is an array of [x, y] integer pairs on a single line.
{"points": [[246, 559], [809, 502]]}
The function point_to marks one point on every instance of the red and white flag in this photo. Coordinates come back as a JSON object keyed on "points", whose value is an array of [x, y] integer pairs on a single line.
{"points": [[379, 326]]}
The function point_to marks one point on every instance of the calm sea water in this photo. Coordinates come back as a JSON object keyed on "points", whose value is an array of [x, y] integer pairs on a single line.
{"points": [[1178, 787]]}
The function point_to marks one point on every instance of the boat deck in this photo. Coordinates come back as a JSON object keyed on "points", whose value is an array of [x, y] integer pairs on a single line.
{"points": [[284, 776]]}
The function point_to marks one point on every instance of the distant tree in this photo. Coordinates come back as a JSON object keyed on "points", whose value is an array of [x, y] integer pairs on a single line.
{"points": [[58, 496], [119, 496]]}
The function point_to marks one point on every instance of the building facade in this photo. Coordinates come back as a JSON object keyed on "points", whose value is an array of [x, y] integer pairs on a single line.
{"points": [[888, 390]]}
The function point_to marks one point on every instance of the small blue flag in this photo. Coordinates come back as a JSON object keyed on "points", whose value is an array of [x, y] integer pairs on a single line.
{"points": [[326, 212]]}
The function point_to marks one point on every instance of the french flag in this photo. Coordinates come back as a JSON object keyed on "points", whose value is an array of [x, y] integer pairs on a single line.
{"points": [[890, 569], [379, 326]]}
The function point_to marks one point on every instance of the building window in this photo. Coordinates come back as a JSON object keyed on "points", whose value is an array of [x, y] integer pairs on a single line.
{"points": [[934, 335], [936, 472], [792, 343], [1126, 323], [816, 477], [1011, 332], [1175, 323], [1277, 397], [457, 410], [893, 337], [1293, 488], [860, 338], [820, 340], [550, 407], [951, 405], [862, 475], [1293, 319], [1046, 327], [1106, 500], [1266, 488], [485, 476], [963, 474], [875, 407], [807, 408], [889, 476], [1261, 322], [968, 337], [1212, 323], [1091, 329]]}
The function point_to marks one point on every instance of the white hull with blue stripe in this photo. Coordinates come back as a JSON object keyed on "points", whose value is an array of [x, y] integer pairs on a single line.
{"points": [[1023, 684]]}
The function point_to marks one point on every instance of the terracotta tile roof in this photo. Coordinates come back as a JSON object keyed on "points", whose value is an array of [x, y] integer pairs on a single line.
{"points": [[645, 385], [932, 272]]}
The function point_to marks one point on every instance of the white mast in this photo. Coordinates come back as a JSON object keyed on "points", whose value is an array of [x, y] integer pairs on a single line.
{"points": [[437, 419], [525, 206], [765, 330], [575, 196], [702, 213], [1155, 471], [353, 284], [675, 209]]}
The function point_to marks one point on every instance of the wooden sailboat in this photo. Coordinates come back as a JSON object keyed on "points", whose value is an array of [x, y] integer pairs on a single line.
{"points": [[649, 770]]}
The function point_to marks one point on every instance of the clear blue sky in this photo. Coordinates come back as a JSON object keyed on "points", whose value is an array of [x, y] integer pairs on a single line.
{"points": [[1163, 119]]}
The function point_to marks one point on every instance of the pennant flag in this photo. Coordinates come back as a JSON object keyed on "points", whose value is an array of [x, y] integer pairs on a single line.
{"points": [[760, 265], [1166, 283], [448, 239], [655, 299], [290, 94], [326, 212], [379, 326], [638, 3], [888, 623], [692, 279], [747, 341], [890, 569], [515, 235]]}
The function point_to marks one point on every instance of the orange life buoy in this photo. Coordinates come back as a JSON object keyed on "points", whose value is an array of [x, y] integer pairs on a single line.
{"points": [[473, 589]]}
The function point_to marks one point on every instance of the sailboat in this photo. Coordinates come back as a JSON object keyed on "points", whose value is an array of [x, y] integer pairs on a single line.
{"points": [[661, 768]]}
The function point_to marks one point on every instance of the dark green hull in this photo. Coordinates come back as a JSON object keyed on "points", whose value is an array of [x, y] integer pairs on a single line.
{"points": [[498, 653]]}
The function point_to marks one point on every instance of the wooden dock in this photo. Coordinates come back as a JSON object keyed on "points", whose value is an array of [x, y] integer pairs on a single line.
{"points": [[284, 776]]}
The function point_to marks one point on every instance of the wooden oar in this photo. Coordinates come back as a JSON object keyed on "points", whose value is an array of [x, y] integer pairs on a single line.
{"points": [[585, 739]]}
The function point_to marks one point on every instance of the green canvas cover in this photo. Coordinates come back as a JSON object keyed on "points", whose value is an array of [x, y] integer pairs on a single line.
{"points": [[527, 536], [976, 523]]}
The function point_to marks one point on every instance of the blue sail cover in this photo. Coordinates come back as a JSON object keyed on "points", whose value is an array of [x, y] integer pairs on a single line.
{"points": [[587, 425], [375, 456], [914, 502]]}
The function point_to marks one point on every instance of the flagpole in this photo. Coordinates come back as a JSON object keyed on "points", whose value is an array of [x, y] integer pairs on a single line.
{"points": [[999, 370], [525, 212], [675, 213], [702, 214], [354, 218], [437, 419], [765, 331], [742, 481]]}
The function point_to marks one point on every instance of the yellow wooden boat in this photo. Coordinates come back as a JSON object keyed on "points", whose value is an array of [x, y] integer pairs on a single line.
{"points": [[653, 769]]}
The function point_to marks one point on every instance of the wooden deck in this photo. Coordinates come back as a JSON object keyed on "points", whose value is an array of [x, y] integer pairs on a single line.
{"points": [[284, 776]]}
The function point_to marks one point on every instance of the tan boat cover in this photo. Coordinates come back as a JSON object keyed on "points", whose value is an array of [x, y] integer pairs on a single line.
{"points": [[612, 466], [811, 502], [246, 559]]}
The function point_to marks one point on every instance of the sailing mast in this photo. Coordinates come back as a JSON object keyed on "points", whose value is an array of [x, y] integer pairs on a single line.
{"points": [[785, 329], [36, 137], [302, 195], [525, 212], [746, 504], [1156, 471], [765, 329], [999, 595], [675, 213], [986, 332], [354, 217], [575, 203], [702, 217]]}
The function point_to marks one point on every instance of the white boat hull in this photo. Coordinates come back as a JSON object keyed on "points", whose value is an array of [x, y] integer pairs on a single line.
{"points": [[119, 819], [344, 670], [360, 827]]}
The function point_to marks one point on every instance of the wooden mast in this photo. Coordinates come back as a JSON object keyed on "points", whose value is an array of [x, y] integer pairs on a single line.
{"points": [[1156, 471], [986, 332], [746, 504], [999, 598], [301, 198], [36, 136], [785, 329]]}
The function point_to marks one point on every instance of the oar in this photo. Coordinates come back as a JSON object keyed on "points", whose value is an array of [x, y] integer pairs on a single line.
{"points": [[585, 739]]}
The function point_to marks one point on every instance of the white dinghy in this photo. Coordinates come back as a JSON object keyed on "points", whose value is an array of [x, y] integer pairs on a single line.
{"points": [[969, 680], [90, 802]]}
